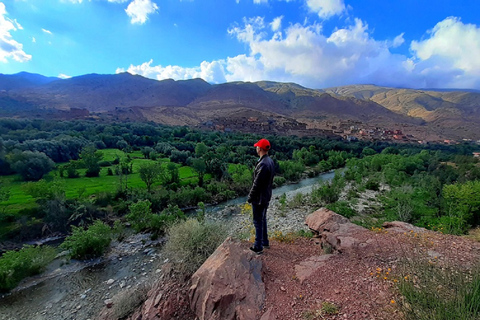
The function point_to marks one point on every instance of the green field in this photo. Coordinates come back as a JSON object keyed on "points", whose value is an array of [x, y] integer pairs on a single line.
{"points": [[104, 183]]}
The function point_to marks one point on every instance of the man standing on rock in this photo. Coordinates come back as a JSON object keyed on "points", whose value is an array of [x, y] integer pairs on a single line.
{"points": [[260, 194]]}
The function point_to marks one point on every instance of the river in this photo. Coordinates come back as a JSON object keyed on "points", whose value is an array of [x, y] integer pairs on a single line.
{"points": [[303, 186]]}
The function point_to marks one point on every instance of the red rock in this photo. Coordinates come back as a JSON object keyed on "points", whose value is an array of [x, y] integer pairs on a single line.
{"points": [[269, 315], [335, 230], [228, 285]]}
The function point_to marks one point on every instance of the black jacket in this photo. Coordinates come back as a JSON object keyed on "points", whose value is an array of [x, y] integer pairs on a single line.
{"points": [[261, 191]]}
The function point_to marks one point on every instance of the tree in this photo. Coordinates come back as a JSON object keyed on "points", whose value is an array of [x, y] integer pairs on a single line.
{"points": [[200, 149], [172, 174], [146, 152], [91, 160], [150, 173], [32, 166], [199, 166]]}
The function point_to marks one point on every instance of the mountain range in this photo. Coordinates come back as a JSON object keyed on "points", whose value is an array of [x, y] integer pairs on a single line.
{"points": [[265, 106]]}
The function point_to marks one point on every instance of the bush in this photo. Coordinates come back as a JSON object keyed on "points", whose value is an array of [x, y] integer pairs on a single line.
{"points": [[190, 243], [32, 166], [142, 218], [90, 243], [278, 181], [140, 215], [342, 208], [16, 265], [324, 194], [297, 200], [372, 184]]}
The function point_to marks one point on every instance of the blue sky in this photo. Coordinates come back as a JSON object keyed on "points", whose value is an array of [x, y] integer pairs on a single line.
{"points": [[315, 43]]}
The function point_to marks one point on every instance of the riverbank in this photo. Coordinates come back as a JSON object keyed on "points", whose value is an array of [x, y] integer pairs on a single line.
{"points": [[79, 289]]}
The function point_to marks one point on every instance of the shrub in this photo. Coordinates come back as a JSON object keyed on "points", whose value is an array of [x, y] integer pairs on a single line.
{"points": [[278, 181], [16, 265], [190, 243], [283, 204], [342, 208], [372, 184], [142, 218], [297, 200], [324, 194], [89, 243], [140, 215]]}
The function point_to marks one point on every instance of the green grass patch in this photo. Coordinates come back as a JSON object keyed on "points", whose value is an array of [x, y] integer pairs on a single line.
{"points": [[88, 185]]}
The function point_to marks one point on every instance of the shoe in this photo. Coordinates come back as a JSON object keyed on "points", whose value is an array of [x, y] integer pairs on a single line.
{"points": [[256, 250]]}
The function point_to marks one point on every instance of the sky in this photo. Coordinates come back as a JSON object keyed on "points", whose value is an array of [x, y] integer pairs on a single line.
{"points": [[315, 43]]}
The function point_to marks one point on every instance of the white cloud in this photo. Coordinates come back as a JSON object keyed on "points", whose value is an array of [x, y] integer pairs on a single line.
{"points": [[64, 76], [34, 40], [47, 31], [260, 1], [138, 10], [9, 48], [398, 41], [276, 23], [303, 53], [450, 54], [209, 71], [326, 8]]}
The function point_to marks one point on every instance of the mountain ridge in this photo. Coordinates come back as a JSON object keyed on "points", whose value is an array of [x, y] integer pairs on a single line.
{"points": [[436, 114]]}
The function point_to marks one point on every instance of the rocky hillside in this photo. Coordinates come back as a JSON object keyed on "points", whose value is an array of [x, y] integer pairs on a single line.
{"points": [[352, 270], [262, 106], [456, 112]]}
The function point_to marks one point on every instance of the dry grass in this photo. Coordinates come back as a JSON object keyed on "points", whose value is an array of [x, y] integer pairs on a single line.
{"points": [[126, 302], [474, 234]]}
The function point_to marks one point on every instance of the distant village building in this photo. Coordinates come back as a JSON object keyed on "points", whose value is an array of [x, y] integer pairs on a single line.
{"points": [[476, 154]]}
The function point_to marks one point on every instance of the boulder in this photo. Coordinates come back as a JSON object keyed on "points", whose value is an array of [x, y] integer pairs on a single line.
{"points": [[334, 230], [228, 285], [401, 227]]}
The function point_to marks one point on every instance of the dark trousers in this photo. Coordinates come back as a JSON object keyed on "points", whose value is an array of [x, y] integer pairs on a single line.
{"points": [[260, 223]]}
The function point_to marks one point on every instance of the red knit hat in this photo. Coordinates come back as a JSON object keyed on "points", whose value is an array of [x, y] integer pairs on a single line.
{"points": [[263, 143]]}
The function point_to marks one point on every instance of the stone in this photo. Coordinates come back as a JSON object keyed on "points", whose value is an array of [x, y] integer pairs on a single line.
{"points": [[401, 227], [108, 303], [269, 315], [110, 281], [334, 230], [228, 285]]}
